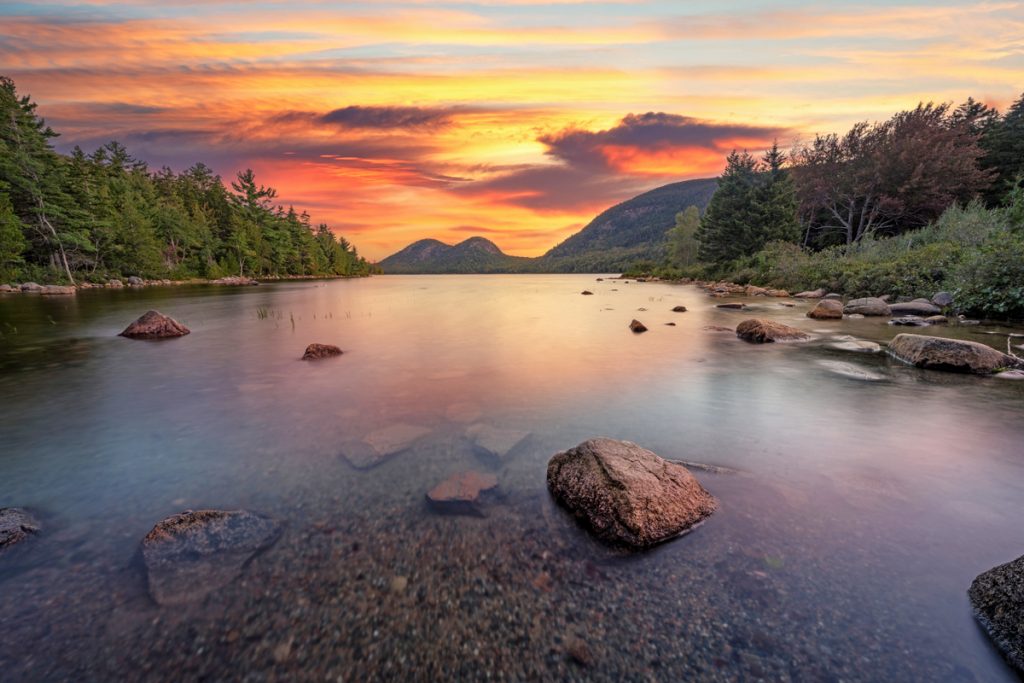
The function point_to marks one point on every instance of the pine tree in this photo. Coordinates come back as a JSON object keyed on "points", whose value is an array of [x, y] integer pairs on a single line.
{"points": [[730, 216], [775, 203], [1003, 143], [682, 239], [12, 241]]}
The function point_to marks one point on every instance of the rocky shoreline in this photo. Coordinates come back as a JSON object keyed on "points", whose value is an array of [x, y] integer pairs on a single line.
{"points": [[135, 282]]}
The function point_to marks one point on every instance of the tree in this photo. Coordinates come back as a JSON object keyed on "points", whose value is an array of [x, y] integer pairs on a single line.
{"points": [[775, 202], [727, 221], [682, 239], [1003, 142], [12, 241]]}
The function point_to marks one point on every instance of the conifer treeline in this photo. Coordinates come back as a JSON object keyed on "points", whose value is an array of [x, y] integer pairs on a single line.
{"points": [[101, 215]]}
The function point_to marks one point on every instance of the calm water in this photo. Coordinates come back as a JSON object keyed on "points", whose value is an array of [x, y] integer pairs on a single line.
{"points": [[843, 547]]}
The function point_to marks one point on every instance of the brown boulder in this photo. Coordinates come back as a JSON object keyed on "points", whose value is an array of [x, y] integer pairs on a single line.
{"points": [[869, 306], [318, 351], [155, 325], [16, 525], [460, 493], [194, 553], [828, 309], [626, 494], [637, 326], [815, 294], [679, 309], [760, 331], [953, 355]]}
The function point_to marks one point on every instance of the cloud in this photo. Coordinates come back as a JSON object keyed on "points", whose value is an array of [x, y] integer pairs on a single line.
{"points": [[388, 117]]}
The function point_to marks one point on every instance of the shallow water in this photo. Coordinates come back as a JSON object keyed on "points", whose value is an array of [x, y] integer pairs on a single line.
{"points": [[842, 550]]}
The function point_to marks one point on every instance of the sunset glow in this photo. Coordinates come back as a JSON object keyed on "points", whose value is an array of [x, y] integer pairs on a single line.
{"points": [[512, 119]]}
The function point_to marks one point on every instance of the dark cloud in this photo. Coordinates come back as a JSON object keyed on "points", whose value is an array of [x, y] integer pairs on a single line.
{"points": [[388, 117]]}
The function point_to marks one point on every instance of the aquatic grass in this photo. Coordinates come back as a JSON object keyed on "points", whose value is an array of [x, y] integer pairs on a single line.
{"points": [[262, 313]]}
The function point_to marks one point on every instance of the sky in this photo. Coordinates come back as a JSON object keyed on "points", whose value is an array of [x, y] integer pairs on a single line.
{"points": [[516, 120]]}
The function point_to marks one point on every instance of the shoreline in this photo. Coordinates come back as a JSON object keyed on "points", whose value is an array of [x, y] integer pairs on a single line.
{"points": [[140, 283]]}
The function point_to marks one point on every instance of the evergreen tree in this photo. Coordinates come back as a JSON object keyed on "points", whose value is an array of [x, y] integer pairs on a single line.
{"points": [[730, 216], [1003, 143], [12, 241], [682, 239], [776, 203]]}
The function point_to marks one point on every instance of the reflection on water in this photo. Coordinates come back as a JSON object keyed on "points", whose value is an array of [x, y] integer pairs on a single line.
{"points": [[842, 548]]}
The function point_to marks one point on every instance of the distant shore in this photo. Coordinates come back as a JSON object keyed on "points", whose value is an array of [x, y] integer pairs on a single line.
{"points": [[140, 283]]}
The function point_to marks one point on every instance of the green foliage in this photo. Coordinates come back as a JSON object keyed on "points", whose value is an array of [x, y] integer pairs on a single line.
{"points": [[104, 214], [990, 280], [1003, 142], [682, 239]]}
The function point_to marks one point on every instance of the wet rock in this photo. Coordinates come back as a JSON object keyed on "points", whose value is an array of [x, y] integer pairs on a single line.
{"points": [[909, 321], [135, 281], [494, 444], [936, 320], [921, 307], [31, 287], [953, 355], [868, 306], [637, 326], [760, 331], [16, 525], [318, 351], [814, 294], [779, 293], [679, 309], [733, 305], [751, 290], [997, 597], [1011, 374], [191, 554], [833, 296], [155, 325], [827, 309], [115, 284], [236, 281], [850, 371], [587, 292], [7, 289], [626, 494], [857, 346], [57, 290], [460, 493], [942, 299], [716, 328], [382, 444]]}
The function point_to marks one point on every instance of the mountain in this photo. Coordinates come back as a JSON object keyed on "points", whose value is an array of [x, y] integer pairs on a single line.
{"points": [[631, 231], [474, 255], [619, 237]]}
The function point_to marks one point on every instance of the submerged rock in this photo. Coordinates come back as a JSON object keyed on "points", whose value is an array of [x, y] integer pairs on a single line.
{"points": [[587, 292], [637, 326], [815, 294], [921, 307], [494, 444], [155, 325], [679, 309], [626, 494], [735, 305], [1011, 374], [16, 525], [828, 309], [460, 493], [937, 320], [869, 306], [318, 351], [850, 371], [909, 321], [997, 597], [382, 444], [953, 355], [760, 331], [857, 346], [192, 554]]}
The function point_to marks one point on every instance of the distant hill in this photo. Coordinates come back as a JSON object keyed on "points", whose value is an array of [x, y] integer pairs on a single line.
{"points": [[618, 238], [474, 255]]}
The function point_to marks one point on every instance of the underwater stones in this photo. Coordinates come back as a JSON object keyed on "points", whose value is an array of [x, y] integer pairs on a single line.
{"points": [[735, 305], [850, 371], [827, 310], [997, 597], [868, 306], [155, 325], [952, 355], [857, 346], [460, 494], [318, 351], [382, 444], [16, 525], [760, 331], [637, 327], [494, 444], [191, 554], [625, 494]]}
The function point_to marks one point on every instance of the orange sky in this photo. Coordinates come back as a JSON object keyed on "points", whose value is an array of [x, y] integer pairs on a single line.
{"points": [[513, 119]]}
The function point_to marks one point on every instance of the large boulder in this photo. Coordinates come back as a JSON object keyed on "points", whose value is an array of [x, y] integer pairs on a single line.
{"points": [[760, 331], [954, 355], [318, 351], [135, 281], [460, 493], [997, 597], [626, 494], [827, 309], [868, 306], [16, 525], [31, 287], [921, 307], [155, 325], [942, 299], [194, 553]]}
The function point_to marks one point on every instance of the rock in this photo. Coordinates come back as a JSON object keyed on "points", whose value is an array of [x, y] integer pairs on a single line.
{"points": [[953, 355], [57, 290], [850, 371], [626, 494], [115, 284], [871, 306], [917, 307], [155, 325], [194, 553], [399, 584], [587, 292], [716, 328], [31, 287], [670, 324], [641, 309], [16, 525], [637, 326], [857, 346], [318, 351], [733, 305], [1011, 374], [578, 651], [494, 444], [886, 298], [909, 321], [235, 281], [378, 446], [751, 290], [815, 294], [942, 299], [827, 309], [936, 320], [761, 331], [780, 293], [600, 279], [679, 309], [997, 597], [135, 281], [833, 295], [460, 493], [7, 289]]}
